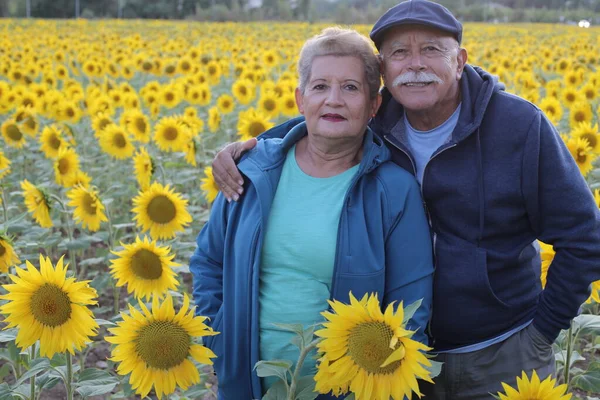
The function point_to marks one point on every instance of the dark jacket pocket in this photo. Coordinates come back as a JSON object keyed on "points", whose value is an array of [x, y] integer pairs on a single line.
{"points": [[216, 326], [463, 298]]}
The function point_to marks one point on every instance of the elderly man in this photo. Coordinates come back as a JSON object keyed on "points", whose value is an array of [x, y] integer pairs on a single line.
{"points": [[495, 177]]}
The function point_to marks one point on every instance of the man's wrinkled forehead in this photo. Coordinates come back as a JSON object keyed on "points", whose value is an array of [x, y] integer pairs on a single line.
{"points": [[406, 34]]}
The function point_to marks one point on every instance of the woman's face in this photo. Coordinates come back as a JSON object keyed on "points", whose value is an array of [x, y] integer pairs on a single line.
{"points": [[336, 101]]}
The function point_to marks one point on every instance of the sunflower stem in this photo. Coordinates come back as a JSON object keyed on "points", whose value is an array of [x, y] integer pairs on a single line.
{"points": [[116, 293], [4, 205], [32, 379], [69, 379], [72, 258], [568, 358], [296, 376]]}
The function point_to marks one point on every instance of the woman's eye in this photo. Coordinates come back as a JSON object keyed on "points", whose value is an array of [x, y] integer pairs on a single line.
{"points": [[351, 87], [319, 87]]}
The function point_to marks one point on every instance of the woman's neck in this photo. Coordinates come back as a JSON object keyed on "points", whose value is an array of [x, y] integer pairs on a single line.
{"points": [[323, 157]]}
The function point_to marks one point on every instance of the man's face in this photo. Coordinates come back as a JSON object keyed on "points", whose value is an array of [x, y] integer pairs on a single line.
{"points": [[422, 67]]}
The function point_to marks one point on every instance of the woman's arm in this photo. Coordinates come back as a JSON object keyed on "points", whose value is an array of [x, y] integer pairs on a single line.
{"points": [[409, 259]]}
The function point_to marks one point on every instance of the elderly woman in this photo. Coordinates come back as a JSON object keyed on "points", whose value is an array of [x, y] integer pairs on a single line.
{"points": [[318, 220]]}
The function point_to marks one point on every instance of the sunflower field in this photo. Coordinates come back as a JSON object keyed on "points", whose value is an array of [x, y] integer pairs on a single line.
{"points": [[108, 129]]}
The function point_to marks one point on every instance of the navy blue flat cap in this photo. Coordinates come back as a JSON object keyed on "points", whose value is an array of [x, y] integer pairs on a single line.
{"points": [[418, 12]]}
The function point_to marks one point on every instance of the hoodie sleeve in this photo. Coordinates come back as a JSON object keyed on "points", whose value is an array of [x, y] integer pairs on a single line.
{"points": [[206, 264], [563, 213], [409, 259], [281, 130]]}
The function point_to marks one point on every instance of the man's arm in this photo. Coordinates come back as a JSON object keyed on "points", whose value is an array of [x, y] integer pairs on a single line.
{"points": [[225, 172], [409, 261], [563, 213]]}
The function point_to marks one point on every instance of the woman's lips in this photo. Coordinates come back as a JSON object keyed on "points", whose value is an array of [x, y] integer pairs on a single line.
{"points": [[333, 117]]}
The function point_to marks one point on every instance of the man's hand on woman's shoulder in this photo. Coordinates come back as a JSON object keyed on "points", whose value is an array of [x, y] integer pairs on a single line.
{"points": [[225, 171]]}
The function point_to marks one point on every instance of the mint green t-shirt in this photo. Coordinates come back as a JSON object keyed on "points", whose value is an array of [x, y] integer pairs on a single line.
{"points": [[298, 256]]}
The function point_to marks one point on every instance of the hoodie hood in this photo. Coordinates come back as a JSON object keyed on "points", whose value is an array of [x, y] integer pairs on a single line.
{"points": [[270, 153], [477, 87]]}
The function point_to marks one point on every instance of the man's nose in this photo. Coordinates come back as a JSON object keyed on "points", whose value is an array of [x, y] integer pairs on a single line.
{"points": [[416, 62]]}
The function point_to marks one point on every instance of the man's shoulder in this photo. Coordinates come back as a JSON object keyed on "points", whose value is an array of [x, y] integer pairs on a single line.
{"points": [[507, 102]]}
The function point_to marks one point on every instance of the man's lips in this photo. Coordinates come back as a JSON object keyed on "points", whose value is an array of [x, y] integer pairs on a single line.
{"points": [[333, 117], [417, 84]]}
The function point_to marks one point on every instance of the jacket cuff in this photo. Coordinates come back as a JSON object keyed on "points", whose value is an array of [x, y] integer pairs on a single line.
{"points": [[549, 332]]}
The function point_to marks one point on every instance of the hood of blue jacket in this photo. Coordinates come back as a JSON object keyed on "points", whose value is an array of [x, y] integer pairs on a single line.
{"points": [[270, 153]]}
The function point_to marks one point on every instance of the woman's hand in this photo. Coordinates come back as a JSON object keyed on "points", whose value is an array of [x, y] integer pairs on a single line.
{"points": [[226, 174]]}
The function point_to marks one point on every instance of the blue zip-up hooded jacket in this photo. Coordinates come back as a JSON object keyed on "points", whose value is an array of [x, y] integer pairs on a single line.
{"points": [[504, 180], [383, 247]]}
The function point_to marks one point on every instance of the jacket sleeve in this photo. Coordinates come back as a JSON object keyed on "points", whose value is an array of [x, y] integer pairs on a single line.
{"points": [[563, 213], [409, 259], [206, 264]]}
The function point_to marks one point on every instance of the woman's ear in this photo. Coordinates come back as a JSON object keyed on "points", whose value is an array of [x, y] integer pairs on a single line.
{"points": [[299, 100], [375, 104]]}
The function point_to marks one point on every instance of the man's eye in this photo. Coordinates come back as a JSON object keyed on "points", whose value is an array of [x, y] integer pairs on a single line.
{"points": [[398, 52], [430, 48]]}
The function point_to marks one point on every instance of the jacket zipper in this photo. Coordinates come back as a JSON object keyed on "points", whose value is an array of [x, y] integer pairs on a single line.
{"points": [[434, 238]]}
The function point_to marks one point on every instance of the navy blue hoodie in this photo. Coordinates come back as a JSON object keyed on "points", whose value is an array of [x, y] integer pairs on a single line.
{"points": [[504, 180]]}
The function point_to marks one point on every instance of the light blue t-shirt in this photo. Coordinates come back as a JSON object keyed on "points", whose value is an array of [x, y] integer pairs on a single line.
{"points": [[424, 143], [298, 257]]}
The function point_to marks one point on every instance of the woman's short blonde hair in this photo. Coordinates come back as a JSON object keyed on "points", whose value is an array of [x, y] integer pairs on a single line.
{"points": [[340, 42]]}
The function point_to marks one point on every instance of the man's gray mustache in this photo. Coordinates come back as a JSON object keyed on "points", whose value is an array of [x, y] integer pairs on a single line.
{"points": [[414, 77]]}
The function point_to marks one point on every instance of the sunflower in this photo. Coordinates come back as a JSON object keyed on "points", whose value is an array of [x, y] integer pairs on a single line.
{"points": [[580, 112], [25, 117], [547, 254], [171, 134], [369, 352], [4, 165], [143, 167], [199, 95], [552, 108], [8, 257], [89, 210], [570, 96], [47, 306], [589, 132], [214, 119], [156, 346], [38, 203], [66, 165], [69, 111], [252, 123], [116, 142], [99, 122], [161, 211], [590, 92], [288, 105], [535, 389], [190, 152], [80, 178], [582, 154], [209, 186], [244, 91], [52, 141], [13, 136], [269, 105], [170, 96], [270, 58], [214, 71], [146, 269], [225, 104]]}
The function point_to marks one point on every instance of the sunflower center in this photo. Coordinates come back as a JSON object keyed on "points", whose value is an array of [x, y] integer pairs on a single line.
{"points": [[170, 133], [579, 116], [63, 166], [140, 125], [369, 347], [169, 96], [14, 133], [104, 123], [161, 210], [581, 157], [146, 264], [50, 305], [119, 140], [2, 250], [243, 90], [163, 344], [270, 105], [89, 204], [70, 112], [591, 138], [256, 128], [570, 97]]}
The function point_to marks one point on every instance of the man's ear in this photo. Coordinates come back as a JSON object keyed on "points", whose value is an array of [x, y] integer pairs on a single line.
{"points": [[461, 59], [299, 100]]}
